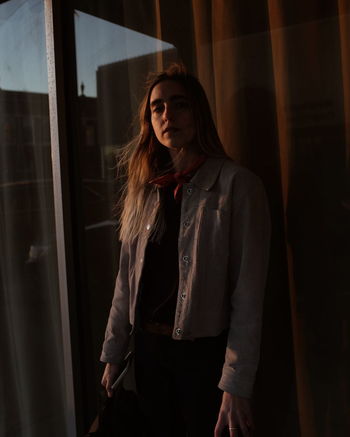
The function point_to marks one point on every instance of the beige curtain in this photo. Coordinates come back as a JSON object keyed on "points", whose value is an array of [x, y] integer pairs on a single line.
{"points": [[217, 53], [307, 80]]}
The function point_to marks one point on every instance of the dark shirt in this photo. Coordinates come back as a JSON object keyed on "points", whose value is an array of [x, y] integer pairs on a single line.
{"points": [[160, 276]]}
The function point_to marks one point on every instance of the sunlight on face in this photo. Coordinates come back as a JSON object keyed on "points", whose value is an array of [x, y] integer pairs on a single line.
{"points": [[171, 115]]}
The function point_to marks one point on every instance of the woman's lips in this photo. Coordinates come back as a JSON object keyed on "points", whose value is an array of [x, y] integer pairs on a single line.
{"points": [[170, 130]]}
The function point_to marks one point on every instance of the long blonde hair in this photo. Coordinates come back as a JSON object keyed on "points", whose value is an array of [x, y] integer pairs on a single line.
{"points": [[143, 157]]}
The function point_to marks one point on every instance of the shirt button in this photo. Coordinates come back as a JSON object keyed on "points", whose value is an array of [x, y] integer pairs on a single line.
{"points": [[148, 227], [186, 223], [189, 190], [186, 259], [141, 260], [183, 295], [178, 331]]}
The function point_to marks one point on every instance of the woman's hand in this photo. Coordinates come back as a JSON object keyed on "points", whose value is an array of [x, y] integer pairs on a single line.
{"points": [[109, 376], [235, 413]]}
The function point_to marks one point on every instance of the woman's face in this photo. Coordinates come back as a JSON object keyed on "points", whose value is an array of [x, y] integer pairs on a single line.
{"points": [[171, 115]]}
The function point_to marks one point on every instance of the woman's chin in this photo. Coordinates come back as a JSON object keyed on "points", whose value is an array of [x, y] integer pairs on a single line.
{"points": [[173, 147]]}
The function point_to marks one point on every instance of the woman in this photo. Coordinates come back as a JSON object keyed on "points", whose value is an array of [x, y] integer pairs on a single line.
{"points": [[195, 236]]}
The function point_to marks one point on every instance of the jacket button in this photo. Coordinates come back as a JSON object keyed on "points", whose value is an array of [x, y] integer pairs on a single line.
{"points": [[186, 223], [178, 331], [186, 259], [189, 190], [183, 295]]}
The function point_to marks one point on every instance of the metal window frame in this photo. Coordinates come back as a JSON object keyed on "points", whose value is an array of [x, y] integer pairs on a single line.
{"points": [[59, 34]]}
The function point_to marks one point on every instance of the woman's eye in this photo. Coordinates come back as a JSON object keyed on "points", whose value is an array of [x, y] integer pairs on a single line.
{"points": [[182, 104], [157, 109]]}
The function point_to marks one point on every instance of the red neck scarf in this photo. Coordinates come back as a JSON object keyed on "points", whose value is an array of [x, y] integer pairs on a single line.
{"points": [[179, 177]]}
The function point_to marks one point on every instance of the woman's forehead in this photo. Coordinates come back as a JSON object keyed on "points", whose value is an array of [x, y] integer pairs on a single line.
{"points": [[166, 90]]}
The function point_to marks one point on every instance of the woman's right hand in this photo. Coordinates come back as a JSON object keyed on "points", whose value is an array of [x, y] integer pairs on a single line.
{"points": [[109, 376]]}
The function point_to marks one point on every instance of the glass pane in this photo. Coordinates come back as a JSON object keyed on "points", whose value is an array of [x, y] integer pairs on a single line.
{"points": [[113, 61], [32, 401]]}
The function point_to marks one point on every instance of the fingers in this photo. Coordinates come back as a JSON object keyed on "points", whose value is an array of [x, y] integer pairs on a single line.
{"points": [[240, 426], [246, 423], [221, 424], [234, 425], [108, 379], [108, 386], [245, 431], [235, 415], [233, 429], [109, 391]]}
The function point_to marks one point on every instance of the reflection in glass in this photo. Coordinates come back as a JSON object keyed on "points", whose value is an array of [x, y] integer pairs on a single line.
{"points": [[31, 370], [112, 64]]}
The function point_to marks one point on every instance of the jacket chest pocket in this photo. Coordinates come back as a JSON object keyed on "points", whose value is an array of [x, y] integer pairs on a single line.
{"points": [[214, 236]]}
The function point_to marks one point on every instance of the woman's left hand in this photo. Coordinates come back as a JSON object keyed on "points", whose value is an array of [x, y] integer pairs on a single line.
{"points": [[235, 414]]}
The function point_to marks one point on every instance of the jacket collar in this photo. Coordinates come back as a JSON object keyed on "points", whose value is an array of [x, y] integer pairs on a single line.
{"points": [[205, 177]]}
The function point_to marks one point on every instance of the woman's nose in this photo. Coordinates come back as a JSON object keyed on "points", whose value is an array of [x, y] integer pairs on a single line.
{"points": [[168, 113]]}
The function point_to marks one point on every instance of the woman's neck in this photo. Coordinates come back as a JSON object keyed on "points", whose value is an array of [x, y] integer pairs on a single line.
{"points": [[183, 159]]}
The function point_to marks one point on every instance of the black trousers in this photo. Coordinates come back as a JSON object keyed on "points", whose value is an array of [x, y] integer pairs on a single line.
{"points": [[177, 383]]}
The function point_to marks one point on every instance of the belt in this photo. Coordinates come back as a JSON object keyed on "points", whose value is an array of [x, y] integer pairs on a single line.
{"points": [[158, 328]]}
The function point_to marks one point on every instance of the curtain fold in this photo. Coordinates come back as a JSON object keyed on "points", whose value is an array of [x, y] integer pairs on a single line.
{"points": [[203, 49], [226, 76], [217, 65], [281, 78]]}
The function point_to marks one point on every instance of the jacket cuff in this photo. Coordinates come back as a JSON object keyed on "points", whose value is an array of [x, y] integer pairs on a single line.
{"points": [[235, 382], [105, 358], [114, 352]]}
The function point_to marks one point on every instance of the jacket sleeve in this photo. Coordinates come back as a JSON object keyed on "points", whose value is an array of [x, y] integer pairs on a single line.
{"points": [[249, 253], [118, 326]]}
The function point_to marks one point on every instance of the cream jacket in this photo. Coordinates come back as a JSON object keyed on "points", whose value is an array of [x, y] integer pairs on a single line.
{"points": [[223, 258]]}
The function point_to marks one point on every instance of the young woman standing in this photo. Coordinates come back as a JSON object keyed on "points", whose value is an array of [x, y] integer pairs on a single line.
{"points": [[195, 234]]}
